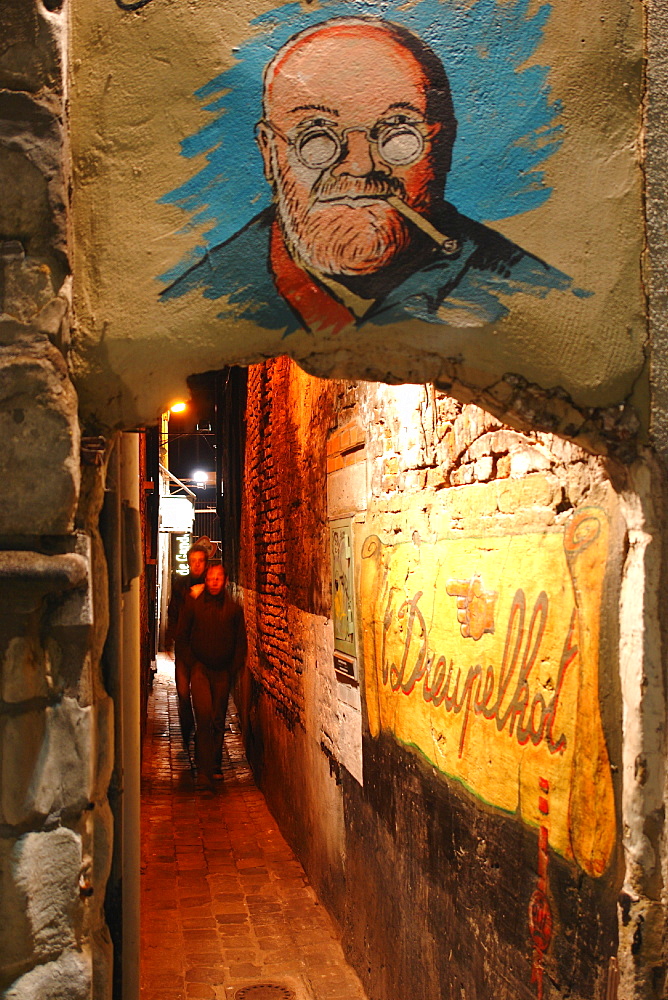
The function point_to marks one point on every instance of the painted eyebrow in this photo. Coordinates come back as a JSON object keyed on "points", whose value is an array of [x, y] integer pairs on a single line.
{"points": [[406, 106], [314, 107]]}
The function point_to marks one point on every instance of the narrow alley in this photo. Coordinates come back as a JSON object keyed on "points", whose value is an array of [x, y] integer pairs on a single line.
{"points": [[363, 304], [227, 911]]}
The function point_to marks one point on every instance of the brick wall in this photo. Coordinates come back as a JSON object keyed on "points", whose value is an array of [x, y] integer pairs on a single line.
{"points": [[284, 523], [420, 438], [346, 446], [279, 664]]}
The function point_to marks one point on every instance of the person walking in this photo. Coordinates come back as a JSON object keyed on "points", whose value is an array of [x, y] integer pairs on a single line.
{"points": [[182, 586], [212, 635]]}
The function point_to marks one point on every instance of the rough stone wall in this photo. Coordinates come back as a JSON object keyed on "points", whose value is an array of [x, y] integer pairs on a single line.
{"points": [[431, 886], [55, 718], [420, 438], [647, 869]]}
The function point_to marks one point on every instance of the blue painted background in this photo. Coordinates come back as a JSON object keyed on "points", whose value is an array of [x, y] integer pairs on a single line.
{"points": [[507, 123]]}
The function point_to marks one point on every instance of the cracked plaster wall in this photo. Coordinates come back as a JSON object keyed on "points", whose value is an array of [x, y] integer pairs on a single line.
{"points": [[433, 442], [644, 620]]}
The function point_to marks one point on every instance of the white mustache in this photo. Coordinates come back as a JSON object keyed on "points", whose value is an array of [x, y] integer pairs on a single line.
{"points": [[370, 186]]}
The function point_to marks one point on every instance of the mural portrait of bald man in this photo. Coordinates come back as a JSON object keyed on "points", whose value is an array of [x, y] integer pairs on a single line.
{"points": [[388, 192], [356, 136]]}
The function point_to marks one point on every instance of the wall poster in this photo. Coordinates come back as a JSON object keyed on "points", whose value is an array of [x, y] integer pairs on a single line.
{"points": [[343, 595], [483, 655]]}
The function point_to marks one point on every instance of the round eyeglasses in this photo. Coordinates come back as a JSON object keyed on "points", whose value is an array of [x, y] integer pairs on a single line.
{"points": [[320, 146]]}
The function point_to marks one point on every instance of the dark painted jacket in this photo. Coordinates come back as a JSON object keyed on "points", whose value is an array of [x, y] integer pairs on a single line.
{"points": [[439, 290]]}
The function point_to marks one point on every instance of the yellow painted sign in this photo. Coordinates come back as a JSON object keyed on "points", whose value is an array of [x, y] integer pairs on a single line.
{"points": [[482, 654]]}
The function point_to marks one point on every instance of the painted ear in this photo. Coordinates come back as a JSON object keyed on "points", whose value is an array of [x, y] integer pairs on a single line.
{"points": [[263, 139]]}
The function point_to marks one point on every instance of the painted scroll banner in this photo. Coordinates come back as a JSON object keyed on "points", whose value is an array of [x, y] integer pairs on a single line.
{"points": [[482, 654]]}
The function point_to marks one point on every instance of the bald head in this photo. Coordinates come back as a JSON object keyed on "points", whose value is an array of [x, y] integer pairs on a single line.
{"points": [[354, 63]]}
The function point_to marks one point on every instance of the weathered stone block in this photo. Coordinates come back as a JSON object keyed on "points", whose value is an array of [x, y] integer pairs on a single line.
{"points": [[27, 577], [25, 211], [40, 434], [482, 468], [469, 425], [46, 762], [412, 480], [104, 743], [34, 207], [15, 933], [52, 321], [76, 606], [30, 58], [47, 869], [528, 460], [71, 669], [536, 490], [64, 779], [565, 451], [503, 467], [436, 478], [21, 740], [496, 442], [578, 481], [24, 671], [39, 875], [462, 476], [69, 978], [28, 286]]}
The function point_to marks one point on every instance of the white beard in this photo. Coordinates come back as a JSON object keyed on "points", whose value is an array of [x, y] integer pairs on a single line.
{"points": [[336, 237]]}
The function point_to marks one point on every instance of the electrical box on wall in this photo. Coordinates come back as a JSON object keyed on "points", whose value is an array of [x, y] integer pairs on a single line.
{"points": [[343, 596], [345, 665]]}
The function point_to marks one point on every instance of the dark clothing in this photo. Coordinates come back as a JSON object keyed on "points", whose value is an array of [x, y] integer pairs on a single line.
{"points": [[212, 636], [210, 692], [180, 590], [212, 631], [186, 717]]}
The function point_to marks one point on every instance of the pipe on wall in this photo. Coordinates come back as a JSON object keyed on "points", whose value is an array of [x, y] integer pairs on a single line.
{"points": [[129, 676], [122, 540]]}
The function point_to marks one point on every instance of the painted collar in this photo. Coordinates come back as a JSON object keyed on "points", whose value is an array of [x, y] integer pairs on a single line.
{"points": [[314, 305]]}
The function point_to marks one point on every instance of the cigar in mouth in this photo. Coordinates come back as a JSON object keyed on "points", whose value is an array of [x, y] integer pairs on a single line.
{"points": [[447, 244]]}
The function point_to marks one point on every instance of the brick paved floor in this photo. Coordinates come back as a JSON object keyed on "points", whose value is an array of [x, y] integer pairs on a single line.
{"points": [[225, 903]]}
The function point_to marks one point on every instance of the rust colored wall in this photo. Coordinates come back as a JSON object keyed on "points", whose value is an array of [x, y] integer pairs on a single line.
{"points": [[286, 595]]}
